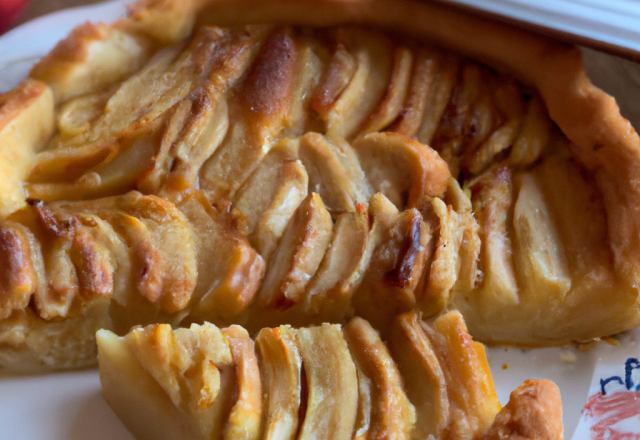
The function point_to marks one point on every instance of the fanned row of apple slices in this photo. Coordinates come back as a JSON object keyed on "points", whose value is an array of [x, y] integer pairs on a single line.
{"points": [[141, 259], [68, 269], [325, 382], [207, 112]]}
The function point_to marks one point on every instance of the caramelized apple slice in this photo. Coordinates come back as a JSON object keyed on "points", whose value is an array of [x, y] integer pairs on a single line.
{"points": [[245, 419], [507, 109], [94, 264], [425, 67], [395, 258], [60, 286], [311, 63], [405, 171], [469, 250], [439, 95], [469, 117], [298, 255], [392, 415], [120, 252], [92, 57], [535, 134], [26, 123], [446, 262], [76, 115], [18, 277], [93, 170], [534, 411], [580, 216], [472, 397], [281, 366], [145, 256], [332, 382], [174, 238], [186, 378], [423, 377], [329, 290], [262, 104], [336, 78], [334, 172], [169, 270], [203, 123], [492, 204], [540, 252], [391, 104], [372, 55], [229, 270], [287, 198], [271, 195], [167, 79], [202, 133]]}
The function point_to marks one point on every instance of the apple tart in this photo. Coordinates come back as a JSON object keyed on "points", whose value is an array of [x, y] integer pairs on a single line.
{"points": [[267, 163], [429, 380]]}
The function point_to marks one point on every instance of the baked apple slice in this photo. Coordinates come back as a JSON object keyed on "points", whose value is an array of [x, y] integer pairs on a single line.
{"points": [[334, 172], [458, 398], [472, 398], [262, 104], [18, 271], [424, 380], [245, 417], [297, 256], [271, 195], [492, 206], [93, 57], [351, 89], [392, 415], [332, 383], [408, 173], [229, 270], [391, 103], [185, 378], [395, 257], [281, 366], [328, 294]]}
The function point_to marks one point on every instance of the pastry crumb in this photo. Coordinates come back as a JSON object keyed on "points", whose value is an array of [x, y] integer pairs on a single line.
{"points": [[567, 357]]}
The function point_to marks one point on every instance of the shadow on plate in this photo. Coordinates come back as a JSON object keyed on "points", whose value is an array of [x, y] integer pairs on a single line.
{"points": [[96, 421]]}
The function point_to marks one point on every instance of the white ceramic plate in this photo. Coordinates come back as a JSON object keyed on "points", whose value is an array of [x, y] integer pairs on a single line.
{"points": [[69, 406]]}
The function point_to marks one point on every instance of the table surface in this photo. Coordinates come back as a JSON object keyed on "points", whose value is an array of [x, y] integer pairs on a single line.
{"points": [[37, 8]]}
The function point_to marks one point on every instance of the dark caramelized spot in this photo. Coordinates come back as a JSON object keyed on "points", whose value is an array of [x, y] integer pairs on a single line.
{"points": [[268, 84], [95, 274], [402, 275], [17, 275]]}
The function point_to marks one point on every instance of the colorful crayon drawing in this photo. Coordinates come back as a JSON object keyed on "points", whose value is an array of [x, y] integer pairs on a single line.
{"points": [[615, 410]]}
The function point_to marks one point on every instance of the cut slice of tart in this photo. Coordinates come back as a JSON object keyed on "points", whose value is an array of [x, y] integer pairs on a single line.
{"points": [[328, 381]]}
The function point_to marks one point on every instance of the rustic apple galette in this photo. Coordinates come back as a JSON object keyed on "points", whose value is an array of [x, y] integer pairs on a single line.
{"points": [[266, 163]]}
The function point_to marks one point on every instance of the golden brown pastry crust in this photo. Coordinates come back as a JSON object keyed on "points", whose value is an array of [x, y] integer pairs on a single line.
{"points": [[534, 411], [26, 124]]}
